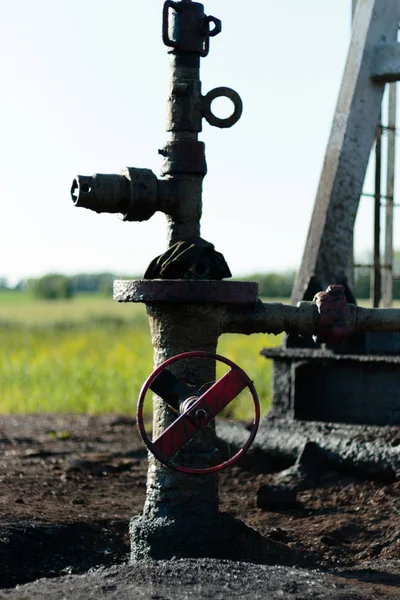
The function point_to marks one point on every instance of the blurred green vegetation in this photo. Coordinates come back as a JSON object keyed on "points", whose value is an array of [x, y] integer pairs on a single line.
{"points": [[90, 354], [66, 346], [51, 287], [271, 285]]}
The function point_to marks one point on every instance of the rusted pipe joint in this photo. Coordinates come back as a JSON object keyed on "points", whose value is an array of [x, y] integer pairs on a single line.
{"points": [[187, 107], [275, 318], [143, 199], [332, 321], [184, 157], [328, 318], [136, 194], [132, 193]]}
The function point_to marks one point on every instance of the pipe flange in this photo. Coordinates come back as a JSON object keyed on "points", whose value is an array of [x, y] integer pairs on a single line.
{"points": [[185, 291], [332, 320]]}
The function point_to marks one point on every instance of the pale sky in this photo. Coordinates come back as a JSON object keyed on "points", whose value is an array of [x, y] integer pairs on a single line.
{"points": [[84, 86]]}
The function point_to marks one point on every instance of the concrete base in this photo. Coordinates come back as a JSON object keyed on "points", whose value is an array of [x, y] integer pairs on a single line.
{"points": [[321, 385], [368, 451], [222, 537]]}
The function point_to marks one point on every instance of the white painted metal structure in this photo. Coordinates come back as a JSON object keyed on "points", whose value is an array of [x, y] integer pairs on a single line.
{"points": [[387, 296], [387, 273], [373, 60]]}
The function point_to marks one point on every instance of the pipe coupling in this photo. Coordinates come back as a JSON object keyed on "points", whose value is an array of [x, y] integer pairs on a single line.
{"points": [[132, 194], [143, 194]]}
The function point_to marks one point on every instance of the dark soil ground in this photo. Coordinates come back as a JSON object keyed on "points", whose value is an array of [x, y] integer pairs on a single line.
{"points": [[70, 484]]}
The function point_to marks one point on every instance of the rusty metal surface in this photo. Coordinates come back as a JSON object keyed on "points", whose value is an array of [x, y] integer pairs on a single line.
{"points": [[306, 319], [259, 317], [332, 322], [144, 200], [186, 291], [184, 156], [132, 194], [324, 355], [101, 193], [327, 386], [195, 259], [370, 451]]}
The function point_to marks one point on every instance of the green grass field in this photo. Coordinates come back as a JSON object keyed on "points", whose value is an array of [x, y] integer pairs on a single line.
{"points": [[20, 308], [91, 355]]}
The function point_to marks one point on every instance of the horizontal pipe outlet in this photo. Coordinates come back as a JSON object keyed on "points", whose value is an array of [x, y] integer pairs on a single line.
{"points": [[132, 193], [101, 193]]}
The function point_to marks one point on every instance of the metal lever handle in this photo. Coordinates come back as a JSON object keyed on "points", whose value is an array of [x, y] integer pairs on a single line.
{"points": [[210, 33], [217, 26], [165, 24]]}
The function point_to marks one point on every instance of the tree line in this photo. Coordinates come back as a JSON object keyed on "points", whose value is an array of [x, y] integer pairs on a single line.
{"points": [[56, 286]]}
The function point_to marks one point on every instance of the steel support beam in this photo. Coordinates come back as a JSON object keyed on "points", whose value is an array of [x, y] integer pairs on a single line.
{"points": [[386, 63], [390, 178], [328, 249]]}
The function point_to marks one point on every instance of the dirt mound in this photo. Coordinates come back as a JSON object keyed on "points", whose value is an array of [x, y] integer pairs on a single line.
{"points": [[70, 484]]}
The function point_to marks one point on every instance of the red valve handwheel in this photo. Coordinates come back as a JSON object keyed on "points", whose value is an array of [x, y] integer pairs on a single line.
{"points": [[198, 412]]}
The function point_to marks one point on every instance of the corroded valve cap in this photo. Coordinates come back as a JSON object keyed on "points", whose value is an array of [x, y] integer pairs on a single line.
{"points": [[191, 29]]}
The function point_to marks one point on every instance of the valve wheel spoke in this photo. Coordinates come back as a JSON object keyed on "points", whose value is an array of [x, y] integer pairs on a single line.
{"points": [[197, 411], [211, 403]]}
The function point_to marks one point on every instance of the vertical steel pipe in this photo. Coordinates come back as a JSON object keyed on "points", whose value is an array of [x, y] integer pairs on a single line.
{"points": [[390, 178], [376, 273]]}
